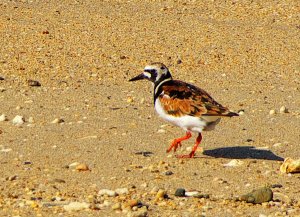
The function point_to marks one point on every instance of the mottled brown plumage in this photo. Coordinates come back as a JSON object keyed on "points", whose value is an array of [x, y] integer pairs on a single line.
{"points": [[179, 98]]}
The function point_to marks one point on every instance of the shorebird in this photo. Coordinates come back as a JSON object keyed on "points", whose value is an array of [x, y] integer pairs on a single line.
{"points": [[183, 105]]}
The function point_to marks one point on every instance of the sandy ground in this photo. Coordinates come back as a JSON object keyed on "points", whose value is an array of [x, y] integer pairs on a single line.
{"points": [[246, 55]]}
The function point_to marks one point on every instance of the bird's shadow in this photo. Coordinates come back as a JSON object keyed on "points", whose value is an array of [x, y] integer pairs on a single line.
{"points": [[242, 152]]}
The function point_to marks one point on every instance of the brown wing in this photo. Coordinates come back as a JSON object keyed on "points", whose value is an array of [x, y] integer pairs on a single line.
{"points": [[179, 98]]}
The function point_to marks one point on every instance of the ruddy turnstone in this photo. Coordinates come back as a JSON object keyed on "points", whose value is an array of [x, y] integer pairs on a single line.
{"points": [[183, 105]]}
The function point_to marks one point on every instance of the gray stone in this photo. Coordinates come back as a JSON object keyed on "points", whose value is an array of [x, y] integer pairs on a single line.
{"points": [[260, 195]]}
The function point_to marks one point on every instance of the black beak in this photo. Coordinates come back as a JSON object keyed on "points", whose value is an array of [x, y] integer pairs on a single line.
{"points": [[139, 77]]}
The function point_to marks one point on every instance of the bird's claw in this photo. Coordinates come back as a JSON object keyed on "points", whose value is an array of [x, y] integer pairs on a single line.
{"points": [[174, 146]]}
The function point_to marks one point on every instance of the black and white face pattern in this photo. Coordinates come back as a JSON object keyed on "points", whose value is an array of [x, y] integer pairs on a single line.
{"points": [[156, 72]]}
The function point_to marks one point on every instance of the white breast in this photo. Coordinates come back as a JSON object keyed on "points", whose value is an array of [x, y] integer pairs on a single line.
{"points": [[187, 123]]}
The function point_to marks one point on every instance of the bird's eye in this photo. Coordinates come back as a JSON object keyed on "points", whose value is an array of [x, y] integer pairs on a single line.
{"points": [[162, 68]]}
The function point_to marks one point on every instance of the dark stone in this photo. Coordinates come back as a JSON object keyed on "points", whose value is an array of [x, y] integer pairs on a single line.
{"points": [[205, 196], [169, 173], [180, 192], [276, 186], [57, 181], [33, 83]]}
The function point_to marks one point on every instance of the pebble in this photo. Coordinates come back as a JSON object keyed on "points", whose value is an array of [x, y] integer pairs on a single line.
{"points": [[144, 185], [133, 203], [241, 112], [3, 118], [82, 167], [272, 112], [276, 186], [234, 163], [283, 109], [161, 194], [142, 212], [73, 164], [1, 78], [161, 131], [107, 192], [277, 144], [290, 166], [130, 99], [58, 121], [180, 192], [205, 196], [55, 203], [116, 206], [258, 196], [33, 83], [106, 203], [169, 173], [154, 190], [121, 191], [12, 178], [18, 120], [30, 120], [57, 199], [76, 206], [5, 150]]}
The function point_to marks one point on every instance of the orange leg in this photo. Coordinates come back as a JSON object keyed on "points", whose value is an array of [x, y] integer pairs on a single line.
{"points": [[177, 142], [192, 154]]}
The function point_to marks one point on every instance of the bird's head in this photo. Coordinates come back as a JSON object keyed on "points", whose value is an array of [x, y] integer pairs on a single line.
{"points": [[155, 72]]}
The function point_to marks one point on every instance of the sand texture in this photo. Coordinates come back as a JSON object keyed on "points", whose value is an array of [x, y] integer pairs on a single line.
{"points": [[84, 128]]}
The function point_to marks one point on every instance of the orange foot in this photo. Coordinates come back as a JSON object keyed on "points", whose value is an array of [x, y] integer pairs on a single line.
{"points": [[192, 154], [177, 142]]}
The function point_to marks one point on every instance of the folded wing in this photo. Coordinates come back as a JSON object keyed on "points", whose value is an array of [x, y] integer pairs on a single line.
{"points": [[180, 98]]}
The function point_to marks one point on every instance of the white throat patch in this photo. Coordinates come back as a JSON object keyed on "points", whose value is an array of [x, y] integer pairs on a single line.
{"points": [[147, 74]]}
